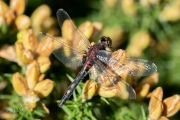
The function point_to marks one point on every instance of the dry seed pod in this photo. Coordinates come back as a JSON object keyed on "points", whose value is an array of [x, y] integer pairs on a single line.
{"points": [[19, 84], [18, 6], [32, 74], [44, 87], [89, 89], [22, 22], [171, 105]]}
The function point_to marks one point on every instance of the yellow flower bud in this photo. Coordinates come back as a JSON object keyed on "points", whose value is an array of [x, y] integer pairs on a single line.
{"points": [[26, 57], [86, 28], [32, 74], [18, 6], [151, 80], [139, 42], [148, 3], [171, 105], [45, 46], [9, 16], [157, 93], [171, 12], [3, 7], [49, 23], [155, 105], [116, 33], [19, 48], [124, 92], [19, 84], [128, 7], [29, 40], [22, 22], [44, 63], [30, 99], [38, 17], [97, 27], [41, 77], [142, 91], [66, 31], [107, 92], [19, 36], [44, 87], [111, 3], [155, 110], [89, 89]]}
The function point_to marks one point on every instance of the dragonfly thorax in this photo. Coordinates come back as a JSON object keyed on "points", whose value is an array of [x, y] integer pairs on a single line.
{"points": [[90, 55]]}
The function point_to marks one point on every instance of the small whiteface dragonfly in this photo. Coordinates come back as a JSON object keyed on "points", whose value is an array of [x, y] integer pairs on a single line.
{"points": [[75, 50]]}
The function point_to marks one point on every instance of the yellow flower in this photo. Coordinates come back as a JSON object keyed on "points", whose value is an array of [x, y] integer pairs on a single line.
{"points": [[31, 89], [160, 110], [89, 89], [139, 42], [19, 84]]}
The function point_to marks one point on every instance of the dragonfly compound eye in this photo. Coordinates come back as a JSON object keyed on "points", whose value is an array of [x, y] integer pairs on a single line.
{"points": [[106, 41]]}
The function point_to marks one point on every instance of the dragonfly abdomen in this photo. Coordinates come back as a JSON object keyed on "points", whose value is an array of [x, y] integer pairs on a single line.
{"points": [[74, 84]]}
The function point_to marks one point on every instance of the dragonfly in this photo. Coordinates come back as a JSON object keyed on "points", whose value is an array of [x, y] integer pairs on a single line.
{"points": [[107, 67]]}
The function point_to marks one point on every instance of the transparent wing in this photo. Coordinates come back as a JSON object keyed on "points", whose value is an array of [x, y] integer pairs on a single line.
{"points": [[75, 37], [61, 49], [118, 62], [110, 84], [69, 49]]}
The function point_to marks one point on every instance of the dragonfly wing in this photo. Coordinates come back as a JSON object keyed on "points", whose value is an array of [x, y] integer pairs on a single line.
{"points": [[111, 84], [74, 36], [69, 49], [61, 49], [94, 73], [118, 62]]}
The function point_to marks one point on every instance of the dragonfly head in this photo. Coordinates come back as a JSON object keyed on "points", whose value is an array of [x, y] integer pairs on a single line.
{"points": [[106, 41]]}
